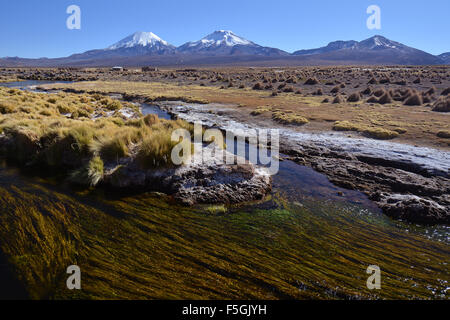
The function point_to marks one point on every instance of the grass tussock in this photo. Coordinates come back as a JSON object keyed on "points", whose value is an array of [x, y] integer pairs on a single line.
{"points": [[260, 110], [76, 144], [371, 132], [345, 126], [380, 133], [288, 118], [155, 149], [90, 174]]}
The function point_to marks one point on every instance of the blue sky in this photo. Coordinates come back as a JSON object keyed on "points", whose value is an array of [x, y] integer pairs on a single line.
{"points": [[32, 29]]}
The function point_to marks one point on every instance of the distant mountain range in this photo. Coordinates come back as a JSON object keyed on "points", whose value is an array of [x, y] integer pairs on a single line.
{"points": [[377, 48], [223, 47], [224, 42]]}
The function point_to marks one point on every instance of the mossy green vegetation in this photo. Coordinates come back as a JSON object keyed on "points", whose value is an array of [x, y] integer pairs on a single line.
{"points": [[146, 247], [216, 209]]}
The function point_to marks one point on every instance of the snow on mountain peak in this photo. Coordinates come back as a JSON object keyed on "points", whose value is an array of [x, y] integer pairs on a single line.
{"points": [[381, 42], [221, 37], [138, 39]]}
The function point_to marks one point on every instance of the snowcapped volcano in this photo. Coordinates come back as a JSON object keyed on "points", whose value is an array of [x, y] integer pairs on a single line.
{"points": [[221, 37], [138, 44], [225, 42], [144, 39], [380, 42]]}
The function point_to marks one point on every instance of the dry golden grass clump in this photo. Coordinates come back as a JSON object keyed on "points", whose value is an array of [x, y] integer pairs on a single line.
{"points": [[345, 126], [260, 110], [44, 136], [380, 133], [375, 133], [288, 118]]}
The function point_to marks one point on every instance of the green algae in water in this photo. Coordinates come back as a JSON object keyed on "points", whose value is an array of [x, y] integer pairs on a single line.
{"points": [[148, 247]]}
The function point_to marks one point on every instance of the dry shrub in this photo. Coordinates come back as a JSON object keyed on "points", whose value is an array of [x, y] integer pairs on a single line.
{"points": [[338, 99], [442, 104], [258, 86], [378, 93], [444, 134], [367, 91], [385, 98], [413, 100], [288, 89], [311, 81], [445, 92], [372, 99], [318, 92], [354, 97], [335, 90]]}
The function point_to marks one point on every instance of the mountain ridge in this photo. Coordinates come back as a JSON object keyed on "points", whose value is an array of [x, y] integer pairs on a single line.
{"points": [[225, 47]]}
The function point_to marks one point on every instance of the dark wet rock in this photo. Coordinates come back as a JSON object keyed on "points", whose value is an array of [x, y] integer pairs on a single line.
{"points": [[123, 176], [226, 184], [368, 168], [412, 208], [402, 190], [197, 183]]}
